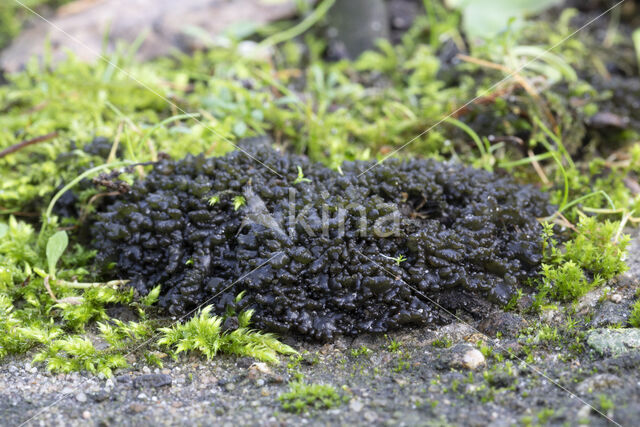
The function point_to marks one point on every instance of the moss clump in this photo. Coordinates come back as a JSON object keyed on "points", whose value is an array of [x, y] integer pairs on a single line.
{"points": [[634, 318], [595, 256], [304, 397], [207, 334], [320, 257]]}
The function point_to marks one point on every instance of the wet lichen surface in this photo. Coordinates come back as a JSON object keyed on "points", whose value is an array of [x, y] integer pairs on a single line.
{"points": [[318, 252]]}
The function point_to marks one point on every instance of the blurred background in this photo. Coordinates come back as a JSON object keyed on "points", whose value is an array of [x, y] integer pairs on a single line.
{"points": [[158, 27]]}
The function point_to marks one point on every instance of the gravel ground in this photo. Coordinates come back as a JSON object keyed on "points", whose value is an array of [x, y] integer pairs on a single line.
{"points": [[429, 377]]}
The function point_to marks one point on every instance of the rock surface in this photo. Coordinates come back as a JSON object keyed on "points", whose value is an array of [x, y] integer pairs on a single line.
{"points": [[164, 24], [611, 313], [614, 341], [505, 323], [599, 382]]}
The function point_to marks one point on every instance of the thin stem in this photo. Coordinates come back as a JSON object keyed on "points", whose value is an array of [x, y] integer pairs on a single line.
{"points": [[26, 143], [300, 28], [85, 174], [87, 285]]}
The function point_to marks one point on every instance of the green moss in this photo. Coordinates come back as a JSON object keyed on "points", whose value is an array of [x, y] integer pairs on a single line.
{"points": [[204, 333], [363, 350], [595, 255], [634, 318], [443, 342], [304, 397], [566, 280]]}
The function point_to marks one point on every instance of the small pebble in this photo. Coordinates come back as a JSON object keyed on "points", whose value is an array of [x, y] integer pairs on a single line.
{"points": [[136, 408], [370, 416], [81, 397], [86, 415], [583, 412], [473, 359], [356, 405]]}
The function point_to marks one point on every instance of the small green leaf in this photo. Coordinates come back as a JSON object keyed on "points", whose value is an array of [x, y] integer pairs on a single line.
{"points": [[152, 297], [635, 36], [300, 177], [238, 202], [55, 248], [4, 229], [240, 128], [486, 18]]}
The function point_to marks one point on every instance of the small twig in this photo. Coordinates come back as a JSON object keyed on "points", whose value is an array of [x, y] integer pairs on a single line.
{"points": [[14, 212], [93, 198], [559, 219], [82, 285], [116, 142], [623, 222], [516, 76], [567, 223], [632, 185], [539, 170], [485, 100], [48, 288], [519, 78], [67, 300], [26, 143]]}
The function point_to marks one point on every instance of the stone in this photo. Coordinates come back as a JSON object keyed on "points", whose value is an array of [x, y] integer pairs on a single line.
{"points": [[152, 381], [244, 362], [370, 416], [629, 360], [100, 396], [136, 408], [610, 313], [463, 356], [163, 20], [506, 323], [81, 397], [352, 37], [473, 359], [583, 413], [258, 370], [456, 331], [599, 382], [356, 405], [614, 342]]}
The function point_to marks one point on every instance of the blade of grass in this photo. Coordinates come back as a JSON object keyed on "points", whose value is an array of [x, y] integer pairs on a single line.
{"points": [[526, 160], [300, 28], [585, 197], [70, 185], [469, 132]]}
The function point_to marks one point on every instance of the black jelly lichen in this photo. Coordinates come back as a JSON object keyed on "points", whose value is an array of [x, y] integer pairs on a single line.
{"points": [[321, 252]]}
